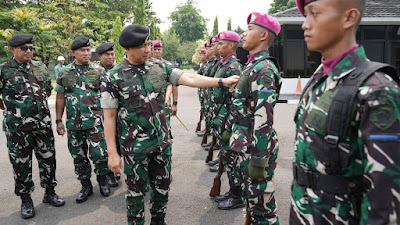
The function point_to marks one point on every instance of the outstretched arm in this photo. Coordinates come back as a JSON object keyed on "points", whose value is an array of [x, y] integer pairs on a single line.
{"points": [[195, 80]]}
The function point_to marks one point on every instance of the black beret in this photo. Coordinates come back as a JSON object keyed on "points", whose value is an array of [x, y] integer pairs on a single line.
{"points": [[81, 41], [134, 35], [20, 39], [105, 47]]}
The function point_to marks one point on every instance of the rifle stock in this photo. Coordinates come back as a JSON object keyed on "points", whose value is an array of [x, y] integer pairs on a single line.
{"points": [[248, 216], [211, 149], [198, 128], [216, 188], [204, 140]]}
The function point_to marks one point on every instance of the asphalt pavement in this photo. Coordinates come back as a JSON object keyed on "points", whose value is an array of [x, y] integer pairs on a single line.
{"points": [[189, 202]]}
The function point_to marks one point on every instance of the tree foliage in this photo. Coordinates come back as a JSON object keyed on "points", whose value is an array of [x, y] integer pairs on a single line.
{"points": [[281, 5], [56, 23], [170, 46], [115, 32], [139, 13], [229, 27], [187, 22], [196, 55], [239, 30], [215, 28]]}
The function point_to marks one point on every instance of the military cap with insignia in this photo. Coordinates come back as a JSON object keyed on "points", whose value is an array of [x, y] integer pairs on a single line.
{"points": [[80, 42], [202, 51], [301, 4], [229, 36], [134, 35], [109, 46], [264, 20], [20, 39], [157, 44]]}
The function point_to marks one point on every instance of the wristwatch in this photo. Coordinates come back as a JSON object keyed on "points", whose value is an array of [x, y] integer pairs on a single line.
{"points": [[175, 103], [221, 85], [59, 121]]}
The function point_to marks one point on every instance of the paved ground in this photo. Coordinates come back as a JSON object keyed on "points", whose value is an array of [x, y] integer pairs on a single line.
{"points": [[189, 202]]}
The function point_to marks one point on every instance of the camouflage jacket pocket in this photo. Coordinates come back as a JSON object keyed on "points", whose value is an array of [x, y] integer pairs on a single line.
{"points": [[93, 80], [157, 77], [69, 81]]}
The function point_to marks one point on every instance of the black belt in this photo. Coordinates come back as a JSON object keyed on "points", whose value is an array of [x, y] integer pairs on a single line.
{"points": [[328, 183]]}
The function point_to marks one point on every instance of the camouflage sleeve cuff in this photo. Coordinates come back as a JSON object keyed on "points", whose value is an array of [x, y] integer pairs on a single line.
{"points": [[260, 162], [59, 89], [107, 101], [175, 75]]}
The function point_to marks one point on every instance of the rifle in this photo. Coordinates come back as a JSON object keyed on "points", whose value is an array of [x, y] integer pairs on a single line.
{"points": [[204, 140], [198, 128], [216, 188], [248, 216], [211, 149]]}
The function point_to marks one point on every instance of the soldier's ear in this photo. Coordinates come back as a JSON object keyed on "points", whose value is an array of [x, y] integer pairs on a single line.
{"points": [[350, 18], [264, 35]]}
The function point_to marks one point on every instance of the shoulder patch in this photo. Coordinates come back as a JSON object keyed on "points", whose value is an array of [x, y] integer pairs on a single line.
{"points": [[383, 110]]}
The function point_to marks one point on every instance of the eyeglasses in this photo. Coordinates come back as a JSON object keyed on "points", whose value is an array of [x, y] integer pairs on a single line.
{"points": [[25, 48]]}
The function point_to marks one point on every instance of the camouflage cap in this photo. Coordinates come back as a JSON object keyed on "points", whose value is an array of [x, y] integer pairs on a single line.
{"points": [[134, 35], [20, 39], [109, 46], [301, 4], [80, 42]]}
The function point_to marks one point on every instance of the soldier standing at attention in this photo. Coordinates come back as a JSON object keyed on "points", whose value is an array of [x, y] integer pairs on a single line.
{"points": [[25, 85], [157, 53], [351, 176], [106, 54], [253, 136], [135, 91], [78, 90], [203, 60], [228, 43]]}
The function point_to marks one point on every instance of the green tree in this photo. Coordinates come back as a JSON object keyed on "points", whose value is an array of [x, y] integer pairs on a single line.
{"points": [[196, 55], [239, 30], [281, 5], [229, 27], [187, 22], [139, 12], [155, 33], [215, 29], [171, 44], [185, 52], [115, 32]]}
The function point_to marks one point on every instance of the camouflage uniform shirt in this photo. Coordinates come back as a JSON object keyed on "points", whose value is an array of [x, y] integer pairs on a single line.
{"points": [[138, 94], [81, 86], [263, 85], [24, 88], [370, 151]]}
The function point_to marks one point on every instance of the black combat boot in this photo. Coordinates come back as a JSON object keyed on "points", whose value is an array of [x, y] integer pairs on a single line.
{"points": [[103, 185], [232, 202], [214, 168], [52, 198], [111, 180], [86, 191], [157, 221], [213, 162], [27, 209], [221, 198]]}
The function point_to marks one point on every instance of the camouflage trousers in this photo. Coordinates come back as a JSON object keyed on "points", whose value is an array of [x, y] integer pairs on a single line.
{"points": [[20, 145], [230, 161], [259, 194], [82, 143], [154, 168]]}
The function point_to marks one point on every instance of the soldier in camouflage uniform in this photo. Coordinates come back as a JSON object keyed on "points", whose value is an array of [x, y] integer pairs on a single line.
{"points": [[203, 60], [25, 85], [106, 54], [228, 43], [135, 91], [350, 180], [78, 90], [203, 93], [253, 137]]}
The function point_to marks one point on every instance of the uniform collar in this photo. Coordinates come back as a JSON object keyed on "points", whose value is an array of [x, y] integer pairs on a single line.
{"points": [[15, 64], [257, 55], [90, 65], [224, 60], [348, 63]]}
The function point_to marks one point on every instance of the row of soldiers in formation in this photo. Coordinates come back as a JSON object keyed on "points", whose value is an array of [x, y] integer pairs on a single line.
{"points": [[347, 122]]}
